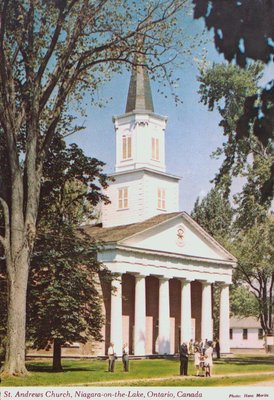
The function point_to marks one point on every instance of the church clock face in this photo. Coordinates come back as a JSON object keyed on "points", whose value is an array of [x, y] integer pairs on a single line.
{"points": [[180, 240]]}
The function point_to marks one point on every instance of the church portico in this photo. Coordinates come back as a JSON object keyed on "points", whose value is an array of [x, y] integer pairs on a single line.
{"points": [[155, 313]]}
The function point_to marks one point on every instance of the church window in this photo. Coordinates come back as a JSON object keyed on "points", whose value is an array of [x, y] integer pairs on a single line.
{"points": [[126, 153], [230, 333], [161, 199], [122, 198], [155, 149], [244, 334]]}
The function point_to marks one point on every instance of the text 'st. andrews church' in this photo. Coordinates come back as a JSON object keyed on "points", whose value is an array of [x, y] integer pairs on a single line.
{"points": [[164, 261]]}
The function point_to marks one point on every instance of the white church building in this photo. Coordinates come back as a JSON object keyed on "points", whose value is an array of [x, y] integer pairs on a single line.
{"points": [[164, 262]]}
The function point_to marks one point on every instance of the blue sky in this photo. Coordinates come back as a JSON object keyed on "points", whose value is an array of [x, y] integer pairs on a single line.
{"points": [[192, 131]]}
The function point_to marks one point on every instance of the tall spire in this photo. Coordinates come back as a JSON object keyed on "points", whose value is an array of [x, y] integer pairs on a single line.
{"points": [[139, 93]]}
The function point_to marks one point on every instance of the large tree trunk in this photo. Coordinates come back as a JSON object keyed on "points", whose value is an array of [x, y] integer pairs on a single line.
{"points": [[20, 221], [16, 324], [57, 349]]}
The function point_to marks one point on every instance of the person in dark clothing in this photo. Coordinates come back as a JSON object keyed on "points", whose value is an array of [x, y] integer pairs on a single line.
{"points": [[217, 347], [183, 359]]}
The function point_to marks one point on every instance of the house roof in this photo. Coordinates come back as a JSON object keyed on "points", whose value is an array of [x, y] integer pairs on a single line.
{"points": [[245, 322]]}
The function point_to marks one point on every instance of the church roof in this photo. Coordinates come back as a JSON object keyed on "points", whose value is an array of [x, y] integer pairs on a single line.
{"points": [[139, 93], [117, 233]]}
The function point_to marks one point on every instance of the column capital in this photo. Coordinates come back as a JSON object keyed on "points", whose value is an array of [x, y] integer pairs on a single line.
{"points": [[204, 282], [185, 281], [163, 278], [138, 275]]}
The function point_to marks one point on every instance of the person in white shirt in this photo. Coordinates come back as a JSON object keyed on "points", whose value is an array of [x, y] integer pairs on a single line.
{"points": [[125, 357], [209, 359], [111, 357]]}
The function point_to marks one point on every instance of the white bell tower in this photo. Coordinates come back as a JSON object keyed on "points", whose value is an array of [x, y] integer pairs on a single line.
{"points": [[142, 188]]}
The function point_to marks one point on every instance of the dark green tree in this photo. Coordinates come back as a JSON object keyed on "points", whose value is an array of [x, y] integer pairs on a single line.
{"points": [[214, 213], [64, 300], [226, 87], [253, 247], [242, 302], [243, 30]]}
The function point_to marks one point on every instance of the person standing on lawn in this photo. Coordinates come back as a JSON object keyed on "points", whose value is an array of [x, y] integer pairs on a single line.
{"points": [[111, 357], [183, 359], [209, 359], [125, 357], [217, 347], [197, 360]]}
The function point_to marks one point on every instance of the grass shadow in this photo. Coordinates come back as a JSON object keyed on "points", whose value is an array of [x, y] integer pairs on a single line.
{"points": [[48, 369]]}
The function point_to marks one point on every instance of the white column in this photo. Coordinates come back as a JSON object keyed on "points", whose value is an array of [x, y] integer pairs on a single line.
{"points": [[164, 320], [185, 311], [224, 320], [206, 317], [116, 322], [140, 316]]}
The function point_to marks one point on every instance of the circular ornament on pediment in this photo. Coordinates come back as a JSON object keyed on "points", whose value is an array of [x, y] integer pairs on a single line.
{"points": [[180, 236]]}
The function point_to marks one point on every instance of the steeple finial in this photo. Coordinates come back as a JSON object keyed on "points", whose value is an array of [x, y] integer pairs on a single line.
{"points": [[139, 93]]}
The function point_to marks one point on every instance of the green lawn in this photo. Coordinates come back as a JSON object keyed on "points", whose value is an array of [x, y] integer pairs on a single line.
{"points": [[155, 372]]}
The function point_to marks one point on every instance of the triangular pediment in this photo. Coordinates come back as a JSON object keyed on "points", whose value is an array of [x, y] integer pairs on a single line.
{"points": [[179, 235]]}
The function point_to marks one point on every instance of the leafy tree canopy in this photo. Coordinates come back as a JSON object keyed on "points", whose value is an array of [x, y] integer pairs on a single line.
{"points": [[64, 300], [214, 213], [254, 249], [226, 87], [242, 28], [243, 302]]}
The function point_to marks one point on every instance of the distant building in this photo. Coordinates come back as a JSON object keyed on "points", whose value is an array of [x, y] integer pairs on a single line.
{"points": [[246, 333], [166, 263]]}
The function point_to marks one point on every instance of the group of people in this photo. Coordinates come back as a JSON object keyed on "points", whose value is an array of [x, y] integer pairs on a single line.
{"points": [[112, 357], [202, 352], [203, 356]]}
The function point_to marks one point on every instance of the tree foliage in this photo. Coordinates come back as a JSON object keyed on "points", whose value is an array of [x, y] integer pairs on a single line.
{"points": [[64, 303], [214, 213], [227, 87], [52, 54], [254, 249], [249, 238], [243, 302], [243, 30]]}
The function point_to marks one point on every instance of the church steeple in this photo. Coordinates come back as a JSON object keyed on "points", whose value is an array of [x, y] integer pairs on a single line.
{"points": [[140, 133], [142, 188], [139, 94]]}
